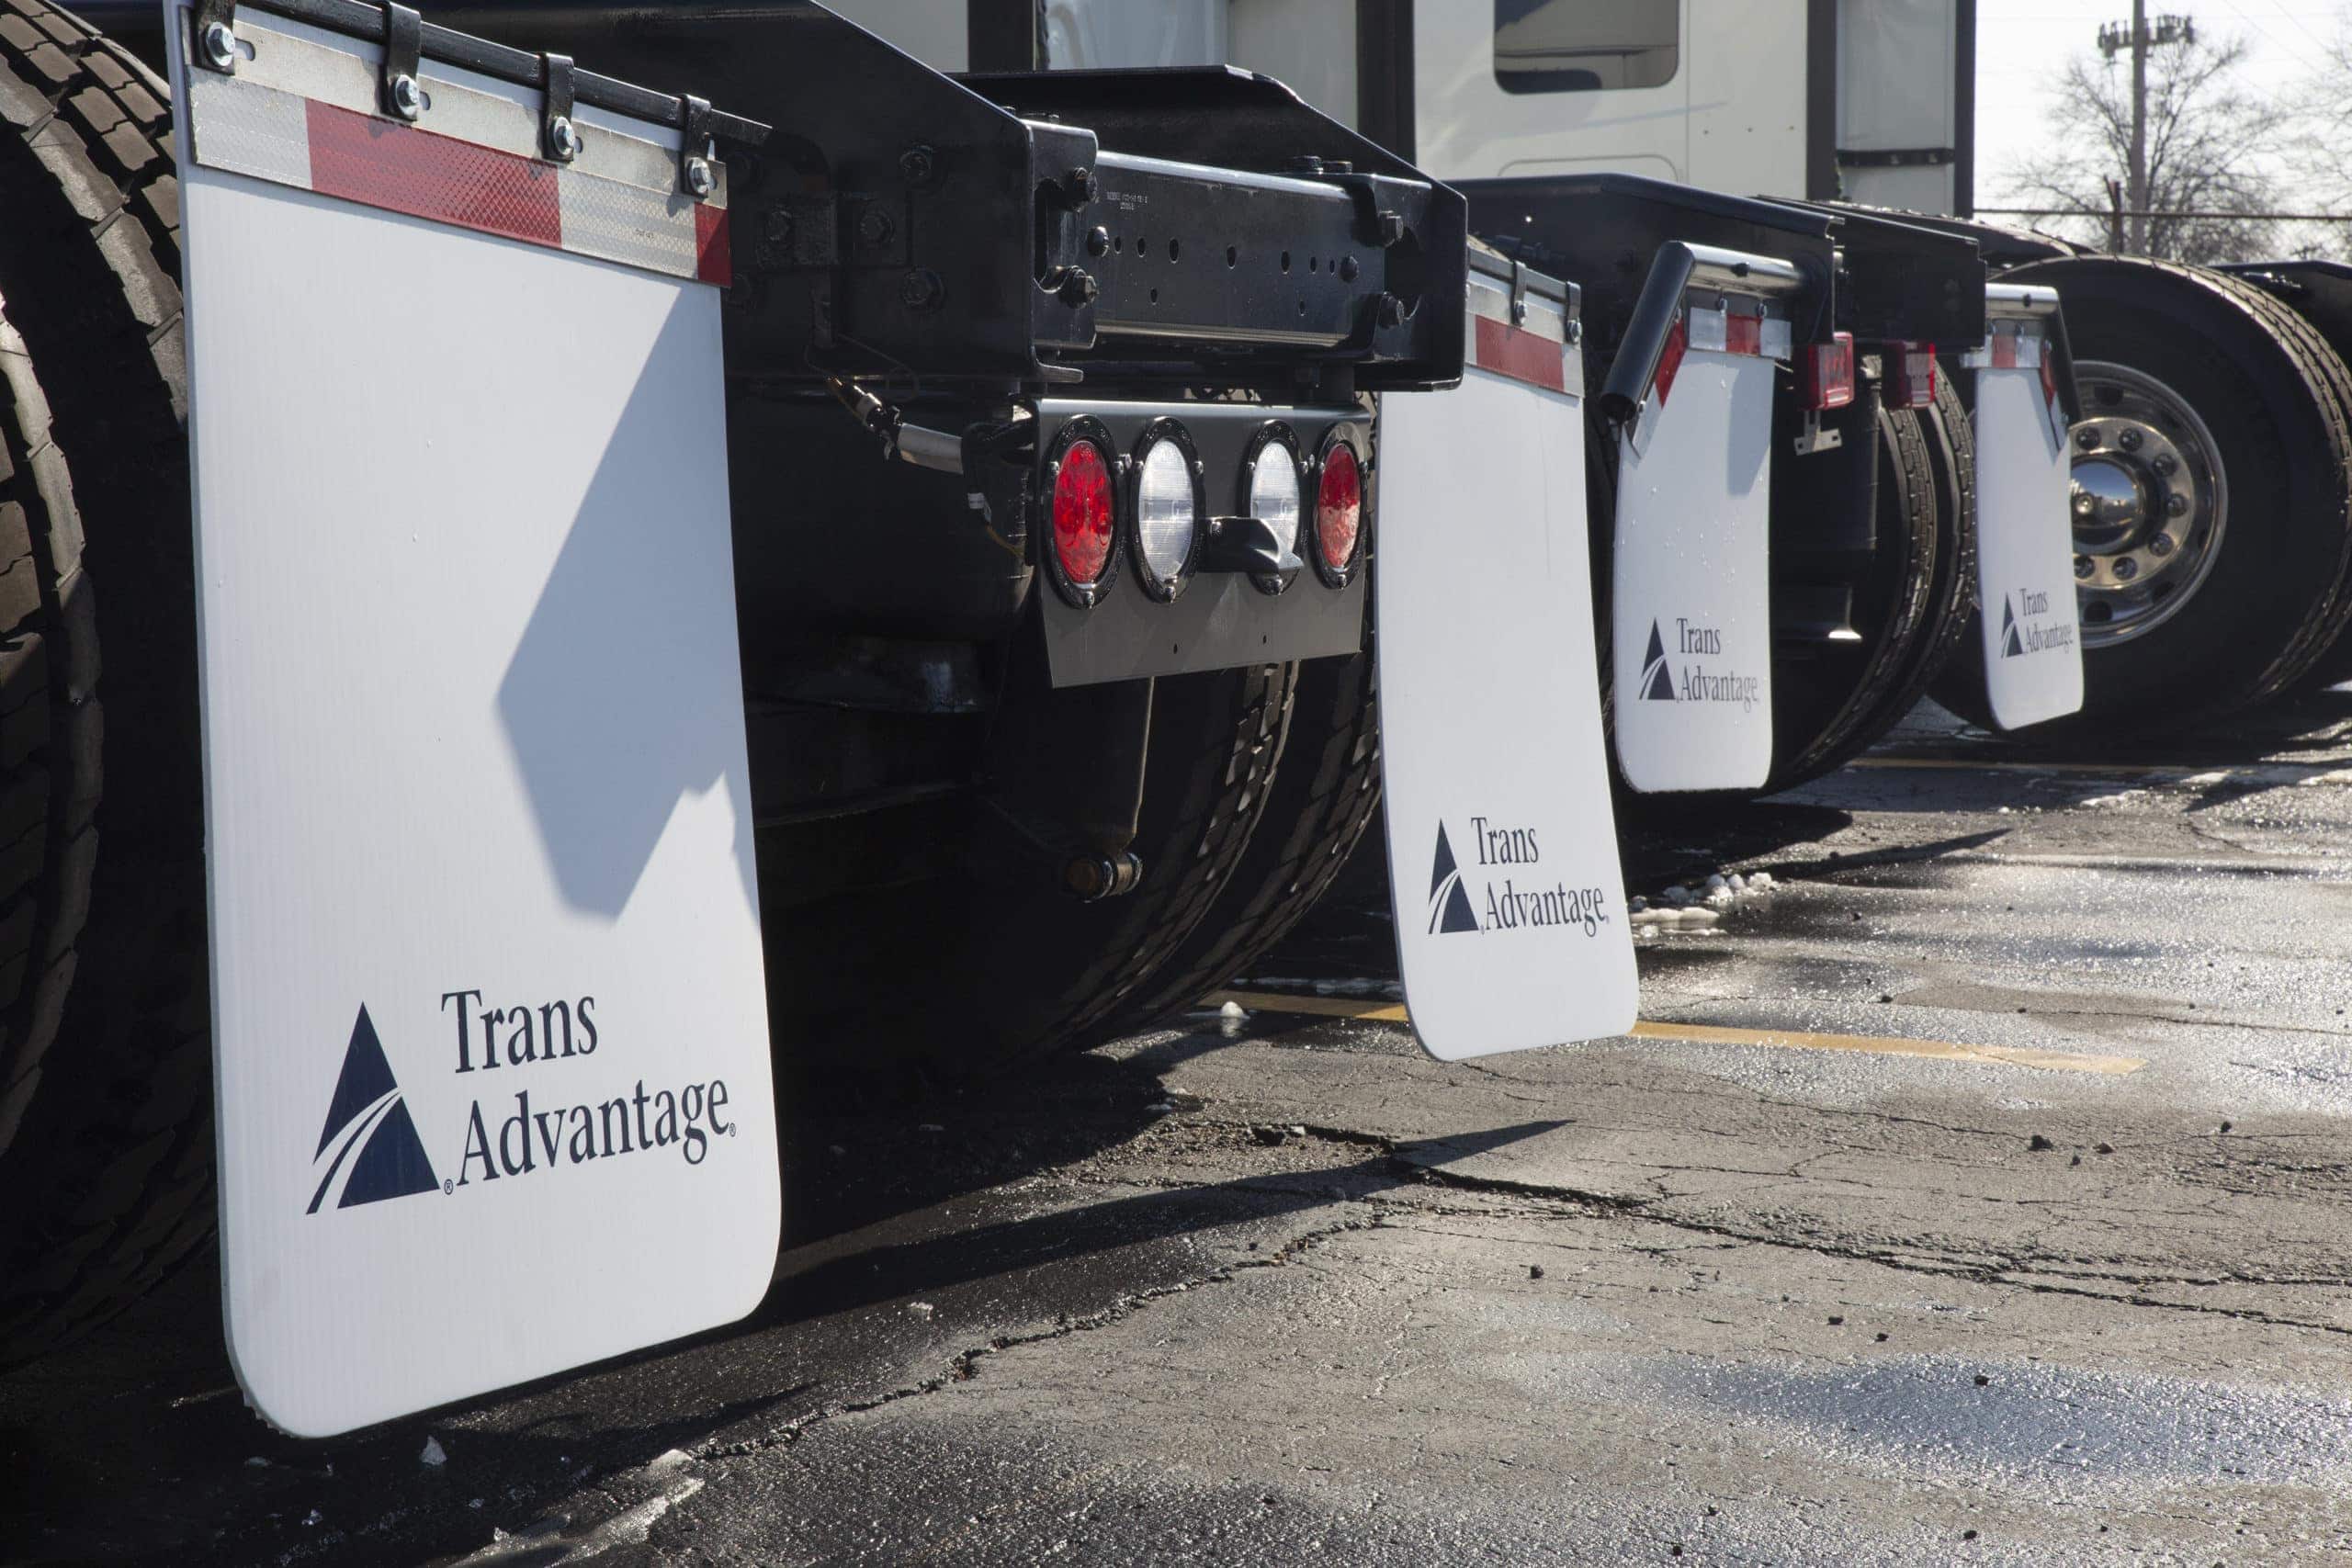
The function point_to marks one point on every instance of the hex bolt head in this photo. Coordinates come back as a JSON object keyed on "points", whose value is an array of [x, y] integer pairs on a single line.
{"points": [[1098, 241], [921, 289], [2164, 464], [1078, 290], [408, 99], [2128, 439], [563, 138], [1348, 269], [1392, 311], [2082, 566], [1081, 186], [220, 47], [917, 164], [2175, 505], [2161, 545], [875, 226], [2087, 437], [2125, 569], [701, 178], [1390, 227]]}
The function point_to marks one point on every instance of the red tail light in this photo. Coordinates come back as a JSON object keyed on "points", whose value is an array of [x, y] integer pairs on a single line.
{"points": [[1082, 513], [1826, 372], [1338, 511], [1910, 375]]}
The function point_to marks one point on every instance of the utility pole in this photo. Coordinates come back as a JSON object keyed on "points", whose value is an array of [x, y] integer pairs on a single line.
{"points": [[2139, 38]]}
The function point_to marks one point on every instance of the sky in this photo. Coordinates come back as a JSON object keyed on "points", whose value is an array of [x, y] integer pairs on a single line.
{"points": [[2021, 47]]}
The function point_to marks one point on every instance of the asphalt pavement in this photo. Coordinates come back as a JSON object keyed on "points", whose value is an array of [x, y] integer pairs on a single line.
{"points": [[1973, 1192]]}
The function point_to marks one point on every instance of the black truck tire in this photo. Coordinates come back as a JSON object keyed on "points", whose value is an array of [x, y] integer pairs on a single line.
{"points": [[1826, 702], [2223, 369], [983, 972], [1946, 637], [105, 1167], [1324, 796]]}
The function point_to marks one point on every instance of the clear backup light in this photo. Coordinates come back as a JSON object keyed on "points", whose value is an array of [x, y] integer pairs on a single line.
{"points": [[1338, 511], [1169, 508], [1273, 491]]}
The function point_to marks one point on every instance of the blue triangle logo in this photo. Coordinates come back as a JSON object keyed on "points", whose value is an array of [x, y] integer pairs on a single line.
{"points": [[1657, 681], [1449, 905], [377, 1151], [2011, 647]]}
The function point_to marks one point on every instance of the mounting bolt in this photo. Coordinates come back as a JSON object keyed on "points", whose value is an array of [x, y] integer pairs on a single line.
{"points": [[917, 164], [2161, 545], [563, 138], [1081, 186], [701, 178], [1078, 290], [2164, 464], [2128, 440], [1392, 311], [2175, 505], [875, 227], [1309, 164], [1348, 269], [2125, 569], [2082, 566], [1389, 228], [2087, 437], [408, 99], [1090, 876], [921, 289], [220, 47], [1098, 241]]}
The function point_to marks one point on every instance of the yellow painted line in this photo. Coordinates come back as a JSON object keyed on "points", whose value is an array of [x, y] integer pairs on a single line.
{"points": [[1716, 1035], [1967, 765]]}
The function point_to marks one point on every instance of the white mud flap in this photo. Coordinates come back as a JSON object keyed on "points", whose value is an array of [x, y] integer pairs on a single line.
{"points": [[2025, 554], [1502, 848], [1691, 608], [494, 1096]]}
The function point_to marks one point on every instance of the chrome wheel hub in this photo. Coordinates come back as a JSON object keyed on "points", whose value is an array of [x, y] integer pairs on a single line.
{"points": [[2148, 503]]}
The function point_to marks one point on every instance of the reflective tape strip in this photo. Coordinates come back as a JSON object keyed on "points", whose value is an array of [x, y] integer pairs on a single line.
{"points": [[1518, 353], [246, 128], [2019, 350], [1729, 332]]}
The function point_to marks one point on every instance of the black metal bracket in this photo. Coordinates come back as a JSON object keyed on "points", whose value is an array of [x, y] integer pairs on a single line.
{"points": [[403, 53], [694, 150], [1249, 546], [559, 138]]}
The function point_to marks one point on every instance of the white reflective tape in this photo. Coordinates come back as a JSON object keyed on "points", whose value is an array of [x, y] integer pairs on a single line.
{"points": [[1775, 340], [1709, 330]]}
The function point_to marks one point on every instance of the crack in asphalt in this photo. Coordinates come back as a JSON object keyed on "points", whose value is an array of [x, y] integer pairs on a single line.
{"points": [[965, 1364]]}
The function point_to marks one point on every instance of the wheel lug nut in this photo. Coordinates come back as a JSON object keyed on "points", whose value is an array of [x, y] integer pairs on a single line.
{"points": [[2126, 569], [2176, 505], [2082, 566], [2128, 440], [2087, 437], [2164, 464], [2161, 545]]}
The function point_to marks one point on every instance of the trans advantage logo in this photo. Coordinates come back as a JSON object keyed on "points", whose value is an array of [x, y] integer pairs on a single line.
{"points": [[368, 1114], [2020, 636], [371, 1147], [1452, 908], [1694, 682]]}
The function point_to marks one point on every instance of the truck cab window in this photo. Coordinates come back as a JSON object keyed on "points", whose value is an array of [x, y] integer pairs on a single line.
{"points": [[1586, 45]]}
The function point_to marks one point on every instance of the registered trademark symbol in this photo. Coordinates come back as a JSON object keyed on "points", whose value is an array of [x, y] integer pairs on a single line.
{"points": [[448, 1186]]}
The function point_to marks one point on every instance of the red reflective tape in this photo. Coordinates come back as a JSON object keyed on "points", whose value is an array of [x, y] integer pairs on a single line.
{"points": [[1670, 360], [713, 260], [1743, 334], [2005, 351], [1520, 355], [382, 163]]}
